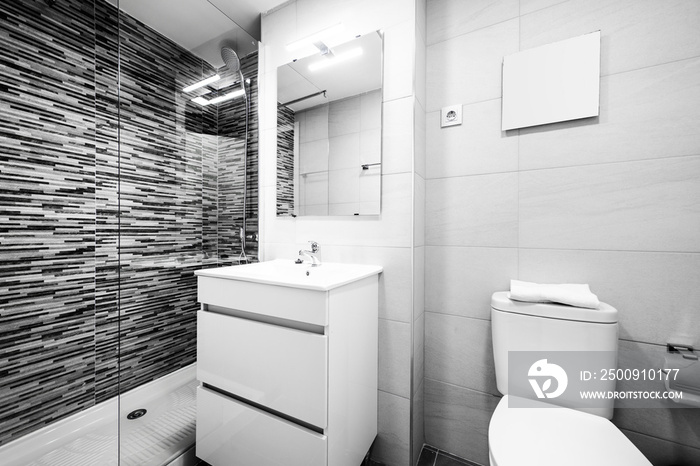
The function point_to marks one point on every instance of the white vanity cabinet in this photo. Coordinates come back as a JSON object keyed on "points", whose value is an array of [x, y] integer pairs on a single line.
{"points": [[287, 364]]}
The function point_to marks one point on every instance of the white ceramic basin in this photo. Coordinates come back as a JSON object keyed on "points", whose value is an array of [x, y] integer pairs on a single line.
{"points": [[285, 272]]}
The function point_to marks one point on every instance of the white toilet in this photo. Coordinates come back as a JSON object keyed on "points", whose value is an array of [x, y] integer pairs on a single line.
{"points": [[546, 435]]}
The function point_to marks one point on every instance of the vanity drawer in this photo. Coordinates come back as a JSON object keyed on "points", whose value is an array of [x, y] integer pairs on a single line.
{"points": [[258, 298], [231, 432], [280, 368]]}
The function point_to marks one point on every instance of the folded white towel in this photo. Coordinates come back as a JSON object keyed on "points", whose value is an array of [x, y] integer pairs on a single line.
{"points": [[571, 294]]}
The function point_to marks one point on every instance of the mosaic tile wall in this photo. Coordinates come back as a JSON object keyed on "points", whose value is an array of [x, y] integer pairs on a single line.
{"points": [[47, 216], [285, 160], [231, 139], [71, 302]]}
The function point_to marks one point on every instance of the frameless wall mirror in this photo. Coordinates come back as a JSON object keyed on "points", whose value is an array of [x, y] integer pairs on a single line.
{"points": [[329, 125]]}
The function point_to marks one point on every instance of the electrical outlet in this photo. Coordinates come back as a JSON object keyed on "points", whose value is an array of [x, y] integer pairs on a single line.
{"points": [[451, 116]]}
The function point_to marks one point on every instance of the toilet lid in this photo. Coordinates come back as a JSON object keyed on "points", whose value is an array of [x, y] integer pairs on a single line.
{"points": [[553, 436]]}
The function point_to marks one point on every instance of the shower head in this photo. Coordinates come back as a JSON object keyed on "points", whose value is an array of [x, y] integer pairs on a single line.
{"points": [[231, 59], [233, 63]]}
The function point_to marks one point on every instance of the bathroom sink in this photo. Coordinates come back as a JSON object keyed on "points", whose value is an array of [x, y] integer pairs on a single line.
{"points": [[285, 272]]}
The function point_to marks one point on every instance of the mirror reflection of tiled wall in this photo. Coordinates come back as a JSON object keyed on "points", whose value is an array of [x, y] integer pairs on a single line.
{"points": [[335, 140]]}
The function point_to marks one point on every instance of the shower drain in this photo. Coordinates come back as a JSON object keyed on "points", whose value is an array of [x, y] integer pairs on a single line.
{"points": [[137, 413]]}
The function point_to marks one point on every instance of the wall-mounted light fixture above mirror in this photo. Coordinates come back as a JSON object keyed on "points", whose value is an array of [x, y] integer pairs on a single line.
{"points": [[329, 130]]}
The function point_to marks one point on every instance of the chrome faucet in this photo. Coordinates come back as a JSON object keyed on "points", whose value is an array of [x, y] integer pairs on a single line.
{"points": [[315, 261]]}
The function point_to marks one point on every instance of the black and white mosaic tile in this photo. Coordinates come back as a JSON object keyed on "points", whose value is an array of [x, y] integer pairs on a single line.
{"points": [[113, 189], [285, 160], [47, 213], [230, 178]]}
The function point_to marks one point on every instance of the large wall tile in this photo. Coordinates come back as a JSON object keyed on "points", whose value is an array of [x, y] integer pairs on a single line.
{"points": [[343, 186], [420, 138], [285, 227], [392, 228], [458, 351], [461, 280], [640, 113], [313, 156], [314, 192], [420, 67], [370, 187], [418, 351], [392, 446], [280, 250], [418, 281], [654, 293], [467, 68], [457, 420], [650, 205], [528, 6], [358, 16], [399, 56], [418, 210], [268, 141], [452, 18], [314, 125], [371, 110], [344, 117], [635, 33], [476, 146], [421, 16], [345, 208], [371, 146], [394, 281], [395, 357], [267, 104], [397, 136], [418, 422], [479, 210], [612, 201], [661, 452], [280, 28], [659, 418]]}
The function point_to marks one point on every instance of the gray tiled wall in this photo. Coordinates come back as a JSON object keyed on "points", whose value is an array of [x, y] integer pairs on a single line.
{"points": [[612, 201]]}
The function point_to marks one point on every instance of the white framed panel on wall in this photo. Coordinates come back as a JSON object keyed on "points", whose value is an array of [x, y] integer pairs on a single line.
{"points": [[551, 83]]}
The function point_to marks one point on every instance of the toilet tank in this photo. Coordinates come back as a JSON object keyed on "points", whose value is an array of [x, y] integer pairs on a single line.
{"points": [[522, 326]]}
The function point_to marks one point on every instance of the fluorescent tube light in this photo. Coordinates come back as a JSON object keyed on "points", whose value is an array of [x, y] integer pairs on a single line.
{"points": [[201, 101], [229, 96], [202, 83], [309, 40], [329, 61], [223, 98]]}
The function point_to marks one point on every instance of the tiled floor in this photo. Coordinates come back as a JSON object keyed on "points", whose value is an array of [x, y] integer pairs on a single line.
{"points": [[370, 462], [431, 456]]}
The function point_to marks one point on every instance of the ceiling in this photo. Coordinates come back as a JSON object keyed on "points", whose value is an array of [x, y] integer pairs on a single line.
{"points": [[204, 26]]}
